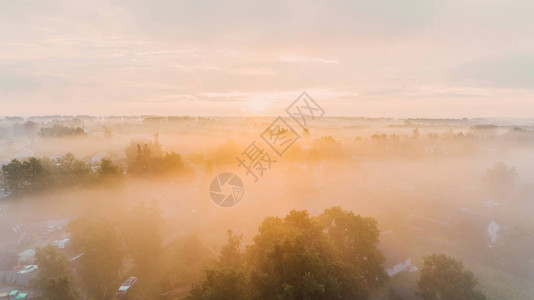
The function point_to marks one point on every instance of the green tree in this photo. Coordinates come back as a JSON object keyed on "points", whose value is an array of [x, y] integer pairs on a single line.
{"points": [[355, 240], [226, 279], [101, 264], [444, 277], [332, 256], [146, 158], [142, 234], [221, 283], [34, 174], [231, 252], [60, 130], [24, 177], [108, 168], [292, 258], [13, 176], [71, 171], [108, 172], [53, 278], [170, 163], [139, 156]]}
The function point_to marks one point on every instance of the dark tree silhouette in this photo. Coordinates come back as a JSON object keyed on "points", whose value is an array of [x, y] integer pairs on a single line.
{"points": [[444, 277]]}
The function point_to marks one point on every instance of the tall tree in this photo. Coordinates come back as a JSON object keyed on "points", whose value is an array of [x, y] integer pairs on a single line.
{"points": [[142, 233], [53, 278], [231, 252], [24, 177], [355, 239], [292, 258], [34, 174], [108, 168], [444, 277], [13, 176], [101, 264], [332, 256], [226, 279], [71, 171]]}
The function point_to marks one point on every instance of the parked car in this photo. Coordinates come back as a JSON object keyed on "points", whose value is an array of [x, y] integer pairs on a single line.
{"points": [[21, 296], [64, 243], [13, 294], [17, 268], [27, 269], [126, 286]]}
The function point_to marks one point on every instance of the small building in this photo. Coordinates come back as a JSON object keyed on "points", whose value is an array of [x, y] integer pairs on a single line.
{"points": [[397, 254]]}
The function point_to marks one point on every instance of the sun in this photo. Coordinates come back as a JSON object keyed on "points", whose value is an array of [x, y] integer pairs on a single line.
{"points": [[257, 105]]}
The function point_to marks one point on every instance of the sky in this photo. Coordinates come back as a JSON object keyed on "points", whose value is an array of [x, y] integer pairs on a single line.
{"points": [[373, 58]]}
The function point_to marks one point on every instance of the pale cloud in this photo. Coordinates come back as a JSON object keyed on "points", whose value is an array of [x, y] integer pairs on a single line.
{"points": [[306, 59], [360, 57], [508, 72]]}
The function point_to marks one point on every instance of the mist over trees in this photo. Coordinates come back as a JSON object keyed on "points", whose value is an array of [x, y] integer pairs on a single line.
{"points": [[139, 209], [34, 174], [54, 278], [59, 131], [331, 256], [23, 177], [38, 174], [102, 255], [443, 277]]}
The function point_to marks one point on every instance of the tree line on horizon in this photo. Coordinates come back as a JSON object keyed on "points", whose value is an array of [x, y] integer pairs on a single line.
{"points": [[39, 174]]}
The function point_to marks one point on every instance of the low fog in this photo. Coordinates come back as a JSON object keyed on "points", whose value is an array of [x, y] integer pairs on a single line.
{"points": [[461, 187]]}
